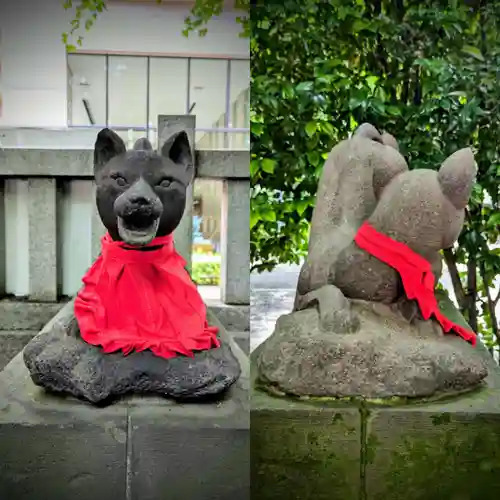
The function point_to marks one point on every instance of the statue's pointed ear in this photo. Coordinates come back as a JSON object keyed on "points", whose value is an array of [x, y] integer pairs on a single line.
{"points": [[107, 145], [457, 176], [368, 131], [177, 149]]}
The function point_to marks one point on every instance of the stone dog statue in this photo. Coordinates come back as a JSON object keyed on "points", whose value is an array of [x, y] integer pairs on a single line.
{"points": [[138, 325], [355, 331]]}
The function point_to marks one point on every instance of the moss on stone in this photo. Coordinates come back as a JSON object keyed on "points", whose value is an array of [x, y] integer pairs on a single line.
{"points": [[304, 455], [461, 461]]}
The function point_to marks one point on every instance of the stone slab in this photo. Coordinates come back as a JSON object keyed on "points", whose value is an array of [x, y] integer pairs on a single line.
{"points": [[302, 450], [3, 250], [233, 317], [183, 234], [235, 242], [422, 451], [12, 342], [42, 222], [131, 449], [25, 315], [448, 449], [193, 463], [17, 162]]}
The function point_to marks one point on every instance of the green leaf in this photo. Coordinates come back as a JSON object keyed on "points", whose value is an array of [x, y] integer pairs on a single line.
{"points": [[254, 218], [494, 220], [311, 128], [256, 128], [268, 216], [301, 206], [314, 158], [393, 110], [327, 128], [268, 165], [473, 51], [254, 167], [305, 87]]}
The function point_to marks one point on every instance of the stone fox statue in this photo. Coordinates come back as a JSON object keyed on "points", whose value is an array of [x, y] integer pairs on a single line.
{"points": [[353, 178], [422, 209]]}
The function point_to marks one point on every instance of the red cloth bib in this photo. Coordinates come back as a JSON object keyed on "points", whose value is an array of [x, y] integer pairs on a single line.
{"points": [[134, 300], [416, 275]]}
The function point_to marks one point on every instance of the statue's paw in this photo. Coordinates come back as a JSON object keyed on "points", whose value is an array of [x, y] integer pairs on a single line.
{"points": [[333, 307]]}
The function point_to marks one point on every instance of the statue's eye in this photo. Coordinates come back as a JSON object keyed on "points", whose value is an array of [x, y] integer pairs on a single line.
{"points": [[121, 181], [165, 183]]}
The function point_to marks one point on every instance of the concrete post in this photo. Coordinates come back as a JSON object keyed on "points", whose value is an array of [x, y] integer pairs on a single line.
{"points": [[183, 236]]}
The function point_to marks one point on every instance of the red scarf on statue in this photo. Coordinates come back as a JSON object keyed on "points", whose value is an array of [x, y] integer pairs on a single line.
{"points": [[416, 275], [134, 300]]}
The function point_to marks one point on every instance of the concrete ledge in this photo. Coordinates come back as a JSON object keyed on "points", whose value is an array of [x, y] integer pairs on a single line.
{"points": [[145, 448], [25, 315], [12, 342], [78, 163], [233, 317], [432, 451]]}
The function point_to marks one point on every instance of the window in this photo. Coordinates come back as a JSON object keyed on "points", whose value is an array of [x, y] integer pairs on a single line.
{"points": [[207, 95], [127, 93], [86, 90], [168, 88]]}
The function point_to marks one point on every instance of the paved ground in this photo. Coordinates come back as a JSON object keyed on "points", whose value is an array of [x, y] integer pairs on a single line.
{"points": [[271, 295]]}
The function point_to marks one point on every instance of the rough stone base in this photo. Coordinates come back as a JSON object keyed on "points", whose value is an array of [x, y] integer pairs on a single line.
{"points": [[322, 451], [141, 448]]}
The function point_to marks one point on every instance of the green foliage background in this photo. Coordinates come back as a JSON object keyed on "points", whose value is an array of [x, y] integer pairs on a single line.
{"points": [[427, 72]]}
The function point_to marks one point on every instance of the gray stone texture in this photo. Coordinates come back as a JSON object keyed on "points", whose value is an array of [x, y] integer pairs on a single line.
{"points": [[386, 357], [303, 451], [59, 360], [320, 449], [235, 242], [98, 230], [25, 315], [2, 238], [183, 235], [134, 449], [201, 464], [223, 164], [79, 163], [12, 342], [351, 183], [353, 331], [423, 209], [233, 317], [42, 220]]}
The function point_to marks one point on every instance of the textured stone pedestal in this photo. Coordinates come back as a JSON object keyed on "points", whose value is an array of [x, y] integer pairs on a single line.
{"points": [[328, 451], [141, 448]]}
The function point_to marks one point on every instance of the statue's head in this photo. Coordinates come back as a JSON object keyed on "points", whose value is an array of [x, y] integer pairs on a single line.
{"points": [[141, 194], [425, 208]]}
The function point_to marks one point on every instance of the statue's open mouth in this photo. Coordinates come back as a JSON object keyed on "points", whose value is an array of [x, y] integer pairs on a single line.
{"points": [[138, 231]]}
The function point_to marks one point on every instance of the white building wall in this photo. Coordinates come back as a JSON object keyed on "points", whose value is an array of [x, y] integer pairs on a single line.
{"points": [[33, 78]]}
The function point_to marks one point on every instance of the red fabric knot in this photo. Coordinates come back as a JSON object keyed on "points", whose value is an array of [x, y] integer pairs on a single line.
{"points": [[134, 300], [415, 272]]}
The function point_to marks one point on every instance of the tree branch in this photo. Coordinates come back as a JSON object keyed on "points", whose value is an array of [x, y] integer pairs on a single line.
{"points": [[458, 288], [491, 303]]}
